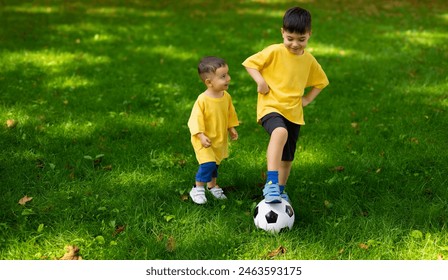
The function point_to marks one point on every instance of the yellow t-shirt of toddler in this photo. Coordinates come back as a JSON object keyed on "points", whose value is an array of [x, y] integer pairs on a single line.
{"points": [[213, 117]]}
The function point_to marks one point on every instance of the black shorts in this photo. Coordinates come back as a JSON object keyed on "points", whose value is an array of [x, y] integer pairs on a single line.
{"points": [[274, 120]]}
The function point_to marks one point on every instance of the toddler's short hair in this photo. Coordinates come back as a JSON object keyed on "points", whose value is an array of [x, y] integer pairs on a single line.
{"points": [[209, 64], [297, 20]]}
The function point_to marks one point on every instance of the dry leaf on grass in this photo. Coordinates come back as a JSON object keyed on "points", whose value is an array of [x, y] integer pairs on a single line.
{"points": [[277, 252], [118, 230], [24, 200], [338, 168], [72, 253], [363, 246], [107, 167], [11, 123], [171, 244]]}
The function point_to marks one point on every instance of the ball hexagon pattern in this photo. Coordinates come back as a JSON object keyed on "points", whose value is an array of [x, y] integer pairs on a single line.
{"points": [[274, 217]]}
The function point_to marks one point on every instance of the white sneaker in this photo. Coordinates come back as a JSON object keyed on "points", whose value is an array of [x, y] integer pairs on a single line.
{"points": [[198, 195], [217, 192]]}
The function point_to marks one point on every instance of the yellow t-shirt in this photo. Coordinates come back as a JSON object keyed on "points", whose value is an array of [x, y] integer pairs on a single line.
{"points": [[213, 117], [287, 75]]}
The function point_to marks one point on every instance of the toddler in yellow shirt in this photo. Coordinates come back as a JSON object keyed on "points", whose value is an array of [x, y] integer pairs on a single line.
{"points": [[213, 119], [282, 72]]}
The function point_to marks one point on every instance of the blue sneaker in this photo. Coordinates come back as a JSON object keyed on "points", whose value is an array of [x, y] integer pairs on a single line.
{"points": [[271, 193], [284, 195]]}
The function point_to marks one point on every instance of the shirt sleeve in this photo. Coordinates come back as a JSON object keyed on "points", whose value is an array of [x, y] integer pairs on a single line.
{"points": [[317, 77], [257, 61], [196, 121]]}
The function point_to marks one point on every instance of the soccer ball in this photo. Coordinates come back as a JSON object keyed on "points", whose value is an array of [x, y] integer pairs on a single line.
{"points": [[273, 217]]}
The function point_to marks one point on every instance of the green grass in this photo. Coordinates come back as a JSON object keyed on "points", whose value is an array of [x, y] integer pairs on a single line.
{"points": [[116, 80]]}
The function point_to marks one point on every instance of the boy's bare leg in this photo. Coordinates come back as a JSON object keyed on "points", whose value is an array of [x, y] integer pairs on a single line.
{"points": [[275, 148], [283, 172]]}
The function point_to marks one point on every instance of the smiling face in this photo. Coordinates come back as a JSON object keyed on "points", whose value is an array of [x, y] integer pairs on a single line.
{"points": [[218, 81], [294, 42]]}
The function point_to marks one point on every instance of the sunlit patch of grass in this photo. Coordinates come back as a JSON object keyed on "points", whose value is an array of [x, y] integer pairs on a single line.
{"points": [[51, 61], [126, 11], [172, 52], [73, 130], [28, 8], [419, 37], [322, 50], [444, 17], [69, 82]]}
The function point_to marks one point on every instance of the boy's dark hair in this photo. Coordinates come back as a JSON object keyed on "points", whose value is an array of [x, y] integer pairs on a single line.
{"points": [[297, 20], [209, 64]]}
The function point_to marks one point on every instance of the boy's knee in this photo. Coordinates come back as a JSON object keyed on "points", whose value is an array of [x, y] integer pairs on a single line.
{"points": [[280, 132]]}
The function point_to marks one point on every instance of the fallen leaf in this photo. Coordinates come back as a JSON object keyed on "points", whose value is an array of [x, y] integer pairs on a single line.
{"points": [[25, 199], [184, 197], [171, 244], [355, 125], [328, 204], [118, 230], [72, 253], [339, 168], [108, 167], [11, 123], [97, 162], [40, 164], [363, 246], [279, 251]]}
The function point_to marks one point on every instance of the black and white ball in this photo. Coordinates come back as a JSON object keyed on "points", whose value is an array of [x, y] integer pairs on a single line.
{"points": [[273, 217]]}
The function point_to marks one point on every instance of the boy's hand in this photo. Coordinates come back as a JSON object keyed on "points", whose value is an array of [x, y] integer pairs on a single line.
{"points": [[312, 94], [305, 101], [263, 87], [233, 133], [205, 141]]}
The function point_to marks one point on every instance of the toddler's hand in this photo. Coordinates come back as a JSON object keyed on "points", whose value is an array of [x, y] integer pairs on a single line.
{"points": [[233, 133], [205, 141]]}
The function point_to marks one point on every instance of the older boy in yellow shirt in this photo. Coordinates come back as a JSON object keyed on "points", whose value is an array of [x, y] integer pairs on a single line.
{"points": [[213, 119], [282, 72]]}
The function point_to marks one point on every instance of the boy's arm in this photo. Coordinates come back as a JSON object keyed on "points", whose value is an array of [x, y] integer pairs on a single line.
{"points": [[310, 96], [262, 86]]}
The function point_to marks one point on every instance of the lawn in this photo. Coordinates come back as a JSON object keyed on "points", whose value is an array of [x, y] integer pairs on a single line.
{"points": [[95, 150]]}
